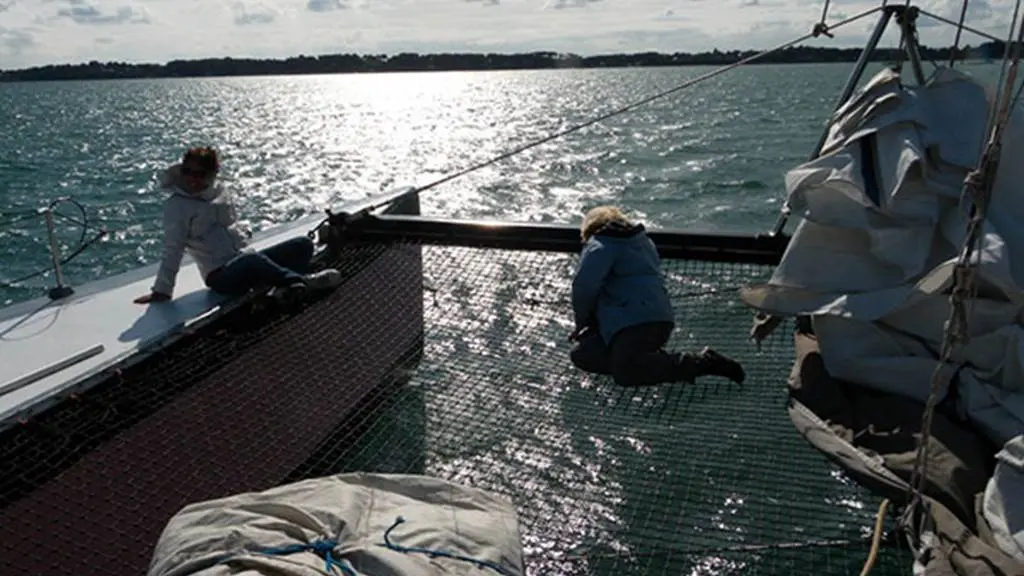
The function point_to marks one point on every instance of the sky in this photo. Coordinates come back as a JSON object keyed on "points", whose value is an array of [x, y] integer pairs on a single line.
{"points": [[39, 32]]}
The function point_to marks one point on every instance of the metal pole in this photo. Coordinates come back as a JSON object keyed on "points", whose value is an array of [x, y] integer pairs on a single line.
{"points": [[851, 85], [908, 29], [60, 291]]}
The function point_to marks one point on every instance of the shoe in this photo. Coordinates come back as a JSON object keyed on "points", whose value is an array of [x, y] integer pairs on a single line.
{"points": [[290, 295], [323, 280], [707, 362]]}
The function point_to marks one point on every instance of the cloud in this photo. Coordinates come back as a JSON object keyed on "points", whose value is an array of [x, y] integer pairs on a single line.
{"points": [[15, 42], [560, 4], [325, 5], [253, 13], [82, 13], [56, 31]]}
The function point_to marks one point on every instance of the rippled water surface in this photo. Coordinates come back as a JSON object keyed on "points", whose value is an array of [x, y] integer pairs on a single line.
{"points": [[712, 156]]}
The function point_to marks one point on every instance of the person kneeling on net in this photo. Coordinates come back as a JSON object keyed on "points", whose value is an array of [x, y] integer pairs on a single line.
{"points": [[199, 216], [623, 313]]}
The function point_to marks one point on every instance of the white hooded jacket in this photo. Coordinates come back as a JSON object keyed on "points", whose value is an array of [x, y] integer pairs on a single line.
{"points": [[205, 224]]}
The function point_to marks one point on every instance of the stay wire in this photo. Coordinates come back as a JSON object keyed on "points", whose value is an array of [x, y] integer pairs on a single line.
{"points": [[83, 244], [629, 107]]}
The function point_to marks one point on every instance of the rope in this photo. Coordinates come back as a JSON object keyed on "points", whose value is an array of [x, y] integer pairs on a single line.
{"points": [[876, 538], [906, 29], [1006, 58], [435, 553], [323, 548], [15, 219], [81, 248], [85, 216], [697, 80], [978, 188], [822, 27], [1016, 98]]}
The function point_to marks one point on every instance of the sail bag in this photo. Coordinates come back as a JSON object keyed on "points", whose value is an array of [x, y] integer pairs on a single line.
{"points": [[348, 524]]}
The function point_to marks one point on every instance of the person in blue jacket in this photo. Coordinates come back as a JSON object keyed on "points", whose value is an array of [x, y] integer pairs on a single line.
{"points": [[623, 314]]}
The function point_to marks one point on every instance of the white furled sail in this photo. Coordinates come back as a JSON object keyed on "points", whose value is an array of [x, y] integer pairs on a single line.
{"points": [[872, 262]]}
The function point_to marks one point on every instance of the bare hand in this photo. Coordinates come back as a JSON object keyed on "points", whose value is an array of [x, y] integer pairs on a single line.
{"points": [[152, 297]]}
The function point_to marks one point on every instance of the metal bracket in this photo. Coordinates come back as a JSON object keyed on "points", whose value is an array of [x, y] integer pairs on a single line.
{"points": [[337, 228], [906, 16]]}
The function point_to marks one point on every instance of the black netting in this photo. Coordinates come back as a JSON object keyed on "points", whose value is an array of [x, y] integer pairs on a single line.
{"points": [[703, 479]]}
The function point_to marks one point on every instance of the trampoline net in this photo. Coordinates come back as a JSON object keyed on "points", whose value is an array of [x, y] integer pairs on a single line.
{"points": [[710, 478]]}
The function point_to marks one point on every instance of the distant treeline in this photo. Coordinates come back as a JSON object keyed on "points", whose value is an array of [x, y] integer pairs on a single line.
{"points": [[408, 62]]}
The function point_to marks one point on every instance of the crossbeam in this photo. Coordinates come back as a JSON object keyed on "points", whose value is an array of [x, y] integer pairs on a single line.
{"points": [[671, 243]]}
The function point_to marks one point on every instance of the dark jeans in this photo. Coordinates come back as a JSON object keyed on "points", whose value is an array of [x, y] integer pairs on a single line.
{"points": [[636, 356], [280, 265]]}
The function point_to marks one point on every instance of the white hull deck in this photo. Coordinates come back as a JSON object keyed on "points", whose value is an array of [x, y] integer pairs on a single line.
{"points": [[48, 348]]}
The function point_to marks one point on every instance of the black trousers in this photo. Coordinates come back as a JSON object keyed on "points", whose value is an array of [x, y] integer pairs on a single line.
{"points": [[636, 356]]}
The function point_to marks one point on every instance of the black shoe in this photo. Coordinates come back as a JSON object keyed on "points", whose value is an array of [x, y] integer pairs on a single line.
{"points": [[707, 362], [289, 297]]}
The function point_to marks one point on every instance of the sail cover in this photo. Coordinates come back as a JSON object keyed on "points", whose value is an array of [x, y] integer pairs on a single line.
{"points": [[871, 263], [337, 525], [872, 260]]}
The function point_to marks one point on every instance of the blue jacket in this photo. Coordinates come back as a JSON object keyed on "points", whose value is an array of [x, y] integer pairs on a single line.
{"points": [[618, 281]]}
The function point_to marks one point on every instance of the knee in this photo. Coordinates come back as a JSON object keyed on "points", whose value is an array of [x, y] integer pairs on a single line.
{"points": [[630, 368], [626, 374], [304, 245]]}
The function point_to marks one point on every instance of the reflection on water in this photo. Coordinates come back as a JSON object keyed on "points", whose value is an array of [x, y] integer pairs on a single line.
{"points": [[295, 145], [710, 479]]}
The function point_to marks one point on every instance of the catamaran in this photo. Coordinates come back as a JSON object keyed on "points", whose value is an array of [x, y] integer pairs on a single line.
{"points": [[423, 418]]}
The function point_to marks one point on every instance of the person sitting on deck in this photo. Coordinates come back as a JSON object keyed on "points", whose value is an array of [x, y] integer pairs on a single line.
{"points": [[623, 313], [199, 217]]}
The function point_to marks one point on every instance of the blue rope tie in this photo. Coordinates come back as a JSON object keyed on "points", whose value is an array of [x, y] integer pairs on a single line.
{"points": [[435, 553], [323, 548]]}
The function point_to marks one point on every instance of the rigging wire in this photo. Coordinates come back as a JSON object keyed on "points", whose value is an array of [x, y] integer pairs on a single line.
{"points": [[820, 28], [959, 31], [629, 107], [978, 190], [26, 215], [83, 244], [944, 20], [1004, 65]]}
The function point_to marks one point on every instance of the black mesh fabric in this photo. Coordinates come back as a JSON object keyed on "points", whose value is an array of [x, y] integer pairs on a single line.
{"points": [[452, 362]]}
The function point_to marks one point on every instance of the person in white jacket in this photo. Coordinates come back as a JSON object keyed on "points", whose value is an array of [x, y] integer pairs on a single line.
{"points": [[200, 218]]}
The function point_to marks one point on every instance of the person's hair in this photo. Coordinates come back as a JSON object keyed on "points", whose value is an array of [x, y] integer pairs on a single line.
{"points": [[599, 217], [203, 156]]}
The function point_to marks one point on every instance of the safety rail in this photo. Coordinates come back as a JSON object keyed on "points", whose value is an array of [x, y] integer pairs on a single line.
{"points": [[62, 289]]}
